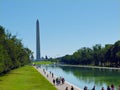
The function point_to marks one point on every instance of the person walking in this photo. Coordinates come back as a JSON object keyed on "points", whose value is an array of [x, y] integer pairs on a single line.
{"points": [[66, 88], [102, 88], [108, 87], [119, 87], [85, 88], [54, 81], [63, 80], [112, 87], [52, 75], [72, 88], [93, 88]]}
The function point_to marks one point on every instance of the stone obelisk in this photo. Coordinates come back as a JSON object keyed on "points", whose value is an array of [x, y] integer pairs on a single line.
{"points": [[38, 55]]}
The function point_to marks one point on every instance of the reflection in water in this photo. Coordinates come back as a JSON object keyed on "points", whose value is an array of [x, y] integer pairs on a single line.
{"points": [[88, 76]]}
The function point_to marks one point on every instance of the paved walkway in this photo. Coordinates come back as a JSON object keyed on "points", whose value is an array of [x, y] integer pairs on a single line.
{"points": [[49, 77]]}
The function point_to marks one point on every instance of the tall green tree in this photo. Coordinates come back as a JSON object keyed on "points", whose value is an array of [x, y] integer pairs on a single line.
{"points": [[12, 52], [98, 56]]}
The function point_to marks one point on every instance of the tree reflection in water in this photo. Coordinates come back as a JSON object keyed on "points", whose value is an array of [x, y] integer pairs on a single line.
{"points": [[88, 76]]}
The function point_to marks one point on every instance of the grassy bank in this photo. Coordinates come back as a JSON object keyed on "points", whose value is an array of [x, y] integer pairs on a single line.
{"points": [[42, 62], [24, 78]]}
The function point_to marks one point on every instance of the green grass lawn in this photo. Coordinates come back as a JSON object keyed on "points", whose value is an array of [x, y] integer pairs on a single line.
{"points": [[25, 78], [42, 62]]}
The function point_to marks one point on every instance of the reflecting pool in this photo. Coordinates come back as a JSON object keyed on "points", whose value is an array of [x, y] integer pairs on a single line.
{"points": [[81, 76]]}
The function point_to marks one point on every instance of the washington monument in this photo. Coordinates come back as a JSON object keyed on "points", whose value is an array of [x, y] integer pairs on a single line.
{"points": [[38, 55]]}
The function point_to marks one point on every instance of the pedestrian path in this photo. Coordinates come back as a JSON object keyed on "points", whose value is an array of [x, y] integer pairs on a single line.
{"points": [[49, 76]]}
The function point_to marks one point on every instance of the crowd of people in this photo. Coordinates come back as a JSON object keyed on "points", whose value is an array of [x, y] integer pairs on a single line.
{"points": [[58, 80], [108, 88], [72, 88]]}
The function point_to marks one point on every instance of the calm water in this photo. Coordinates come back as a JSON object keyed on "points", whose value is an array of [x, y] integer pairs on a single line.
{"points": [[87, 76]]}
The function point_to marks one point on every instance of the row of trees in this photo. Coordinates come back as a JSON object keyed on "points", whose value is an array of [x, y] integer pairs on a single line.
{"points": [[12, 52], [97, 55]]}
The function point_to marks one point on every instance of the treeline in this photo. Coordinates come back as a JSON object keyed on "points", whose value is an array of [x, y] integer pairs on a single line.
{"points": [[12, 52], [97, 55]]}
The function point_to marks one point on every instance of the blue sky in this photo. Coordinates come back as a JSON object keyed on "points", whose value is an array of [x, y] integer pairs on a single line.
{"points": [[65, 25]]}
